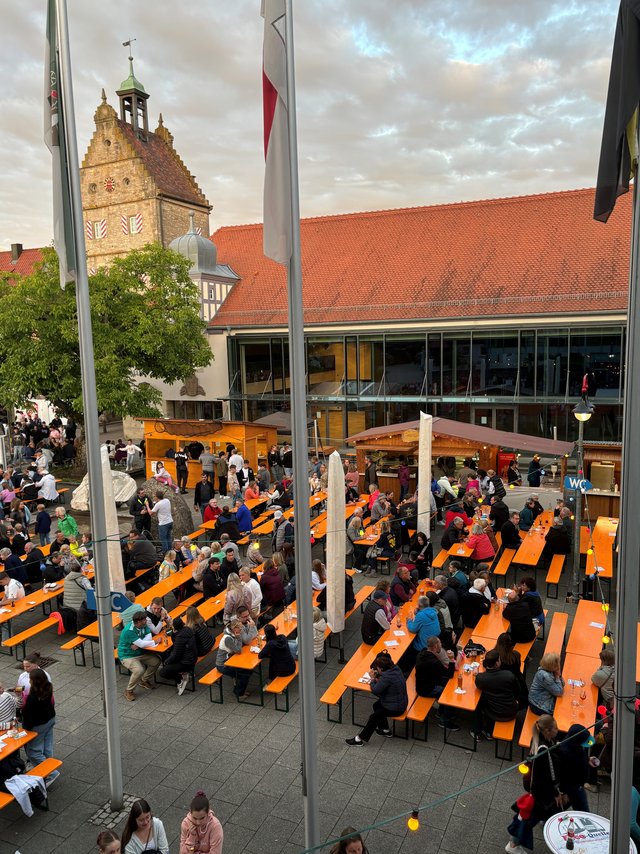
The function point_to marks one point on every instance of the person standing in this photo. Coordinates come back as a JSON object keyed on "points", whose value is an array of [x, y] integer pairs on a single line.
{"points": [[222, 468], [181, 460], [39, 715], [389, 686], [207, 461], [534, 473], [201, 830], [140, 508], [274, 462], [287, 460], [203, 494], [66, 523], [131, 450], [162, 510], [404, 475], [370, 474], [42, 525]]}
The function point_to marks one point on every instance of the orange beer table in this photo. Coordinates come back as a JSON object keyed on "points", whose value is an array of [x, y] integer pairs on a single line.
{"points": [[571, 708], [588, 629]]}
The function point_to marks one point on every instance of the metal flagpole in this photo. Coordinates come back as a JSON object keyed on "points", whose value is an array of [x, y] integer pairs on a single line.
{"points": [[98, 521], [300, 473], [628, 586]]}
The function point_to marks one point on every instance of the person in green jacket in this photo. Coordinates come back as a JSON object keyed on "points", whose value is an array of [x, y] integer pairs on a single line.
{"points": [[135, 641], [67, 524]]}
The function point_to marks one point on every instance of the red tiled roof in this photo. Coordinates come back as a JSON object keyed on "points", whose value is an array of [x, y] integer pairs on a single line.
{"points": [[165, 167], [529, 255], [25, 263]]}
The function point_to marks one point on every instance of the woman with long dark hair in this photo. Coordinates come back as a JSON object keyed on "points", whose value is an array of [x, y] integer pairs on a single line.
{"points": [[143, 831], [352, 844], [39, 715]]}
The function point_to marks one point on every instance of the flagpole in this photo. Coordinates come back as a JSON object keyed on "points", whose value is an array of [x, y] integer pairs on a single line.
{"points": [[90, 402], [302, 525], [628, 587]]}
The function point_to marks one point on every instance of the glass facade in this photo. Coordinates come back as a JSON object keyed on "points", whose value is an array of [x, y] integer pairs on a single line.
{"points": [[524, 381]]}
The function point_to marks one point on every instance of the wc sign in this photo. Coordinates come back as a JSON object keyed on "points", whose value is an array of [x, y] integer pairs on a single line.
{"points": [[577, 483]]}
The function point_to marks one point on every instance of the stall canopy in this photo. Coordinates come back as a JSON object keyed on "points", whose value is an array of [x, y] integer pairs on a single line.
{"points": [[457, 438]]}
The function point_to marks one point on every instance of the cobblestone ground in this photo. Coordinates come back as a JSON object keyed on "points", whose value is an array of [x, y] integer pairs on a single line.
{"points": [[247, 760]]}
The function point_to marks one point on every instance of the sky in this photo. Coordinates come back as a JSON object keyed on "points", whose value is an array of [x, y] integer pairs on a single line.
{"points": [[399, 104]]}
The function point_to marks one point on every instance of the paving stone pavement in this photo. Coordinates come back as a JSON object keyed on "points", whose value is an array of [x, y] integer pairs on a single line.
{"points": [[247, 760]]}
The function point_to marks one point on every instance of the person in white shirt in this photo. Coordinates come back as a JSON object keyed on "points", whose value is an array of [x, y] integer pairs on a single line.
{"points": [[8, 709], [254, 588], [131, 450], [13, 590], [162, 510], [30, 662], [47, 487], [236, 460], [446, 489]]}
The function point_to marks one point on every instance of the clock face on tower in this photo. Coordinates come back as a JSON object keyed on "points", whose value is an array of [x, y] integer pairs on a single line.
{"points": [[109, 185]]}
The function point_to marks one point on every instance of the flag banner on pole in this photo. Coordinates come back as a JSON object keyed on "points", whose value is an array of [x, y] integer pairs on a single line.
{"points": [[336, 544], [55, 142], [618, 153], [425, 439], [277, 227]]}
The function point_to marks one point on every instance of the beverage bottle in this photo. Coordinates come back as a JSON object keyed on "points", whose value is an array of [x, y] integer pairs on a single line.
{"points": [[571, 834]]}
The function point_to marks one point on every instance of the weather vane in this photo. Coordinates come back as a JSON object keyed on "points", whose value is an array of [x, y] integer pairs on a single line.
{"points": [[129, 45]]}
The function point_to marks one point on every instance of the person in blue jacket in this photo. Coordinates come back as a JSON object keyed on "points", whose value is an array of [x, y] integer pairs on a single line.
{"points": [[425, 624], [243, 518]]}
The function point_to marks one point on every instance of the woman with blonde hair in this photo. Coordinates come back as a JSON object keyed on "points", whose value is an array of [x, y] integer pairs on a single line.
{"points": [[198, 571], [168, 565], [547, 684], [254, 589], [254, 555], [277, 559], [318, 575], [237, 594]]}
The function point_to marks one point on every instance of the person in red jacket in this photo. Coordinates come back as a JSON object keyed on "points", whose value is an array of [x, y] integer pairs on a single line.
{"points": [[211, 511], [481, 544]]}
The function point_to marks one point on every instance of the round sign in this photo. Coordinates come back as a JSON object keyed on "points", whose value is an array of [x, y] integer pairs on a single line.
{"points": [[591, 833]]}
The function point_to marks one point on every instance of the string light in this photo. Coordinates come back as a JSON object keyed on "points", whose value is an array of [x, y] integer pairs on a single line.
{"points": [[606, 639], [602, 711], [589, 742], [589, 551], [523, 768], [605, 607], [511, 486], [413, 822]]}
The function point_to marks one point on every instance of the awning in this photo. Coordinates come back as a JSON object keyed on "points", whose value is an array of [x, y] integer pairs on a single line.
{"points": [[473, 433]]}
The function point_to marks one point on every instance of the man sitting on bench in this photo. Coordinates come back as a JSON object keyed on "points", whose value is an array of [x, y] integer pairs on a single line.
{"points": [[13, 590]]}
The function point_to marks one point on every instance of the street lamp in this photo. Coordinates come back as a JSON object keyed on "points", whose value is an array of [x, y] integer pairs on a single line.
{"points": [[582, 412]]}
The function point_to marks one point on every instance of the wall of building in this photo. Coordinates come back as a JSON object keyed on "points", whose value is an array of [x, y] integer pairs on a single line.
{"points": [[175, 219]]}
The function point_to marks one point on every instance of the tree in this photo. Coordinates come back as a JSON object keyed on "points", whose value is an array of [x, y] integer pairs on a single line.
{"points": [[145, 313]]}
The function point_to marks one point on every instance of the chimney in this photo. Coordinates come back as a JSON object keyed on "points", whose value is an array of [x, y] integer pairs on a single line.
{"points": [[16, 251]]}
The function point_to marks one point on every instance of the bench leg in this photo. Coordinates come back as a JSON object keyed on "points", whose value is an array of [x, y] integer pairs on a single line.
{"points": [[83, 662], [353, 709], [286, 697], [508, 753], [339, 719], [406, 729], [462, 746], [218, 685], [549, 585], [425, 726]]}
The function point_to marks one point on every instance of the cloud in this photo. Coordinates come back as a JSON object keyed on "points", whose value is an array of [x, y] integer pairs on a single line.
{"points": [[409, 103]]}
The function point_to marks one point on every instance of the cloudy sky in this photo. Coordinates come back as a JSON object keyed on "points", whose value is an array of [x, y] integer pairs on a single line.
{"points": [[410, 102]]}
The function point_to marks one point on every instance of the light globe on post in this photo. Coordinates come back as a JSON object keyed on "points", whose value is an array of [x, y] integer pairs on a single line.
{"points": [[582, 412]]}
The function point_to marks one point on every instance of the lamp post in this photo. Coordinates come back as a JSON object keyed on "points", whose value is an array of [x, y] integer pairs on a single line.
{"points": [[582, 412]]}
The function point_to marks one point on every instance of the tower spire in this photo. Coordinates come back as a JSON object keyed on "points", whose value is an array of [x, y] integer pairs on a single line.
{"points": [[133, 98]]}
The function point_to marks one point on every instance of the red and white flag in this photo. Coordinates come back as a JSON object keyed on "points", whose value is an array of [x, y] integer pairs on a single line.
{"points": [[277, 228]]}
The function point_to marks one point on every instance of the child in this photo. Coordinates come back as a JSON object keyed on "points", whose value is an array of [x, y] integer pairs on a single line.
{"points": [[200, 831], [43, 525]]}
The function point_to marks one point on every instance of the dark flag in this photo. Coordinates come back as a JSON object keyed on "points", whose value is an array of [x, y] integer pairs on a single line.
{"points": [[55, 141], [619, 148]]}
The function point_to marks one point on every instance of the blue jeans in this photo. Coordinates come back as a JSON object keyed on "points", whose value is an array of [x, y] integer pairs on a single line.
{"points": [[41, 747], [242, 678], [164, 532], [44, 539]]}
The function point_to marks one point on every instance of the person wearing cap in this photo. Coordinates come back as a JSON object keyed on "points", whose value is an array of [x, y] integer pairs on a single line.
{"points": [[534, 473], [374, 619]]}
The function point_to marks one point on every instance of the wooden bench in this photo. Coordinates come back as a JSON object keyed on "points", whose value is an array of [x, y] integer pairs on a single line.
{"points": [[280, 685], [335, 692], [503, 564], [503, 733], [381, 563], [418, 714], [195, 534], [556, 633], [527, 731], [62, 495], [412, 696], [554, 573], [76, 644], [43, 769], [440, 559], [361, 597], [213, 677], [22, 637]]}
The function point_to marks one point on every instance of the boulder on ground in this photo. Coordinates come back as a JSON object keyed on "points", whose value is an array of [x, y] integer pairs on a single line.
{"points": [[124, 488], [182, 518]]}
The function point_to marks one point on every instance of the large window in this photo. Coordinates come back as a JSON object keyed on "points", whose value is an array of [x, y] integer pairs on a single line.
{"points": [[456, 364], [553, 362], [371, 366], [256, 367], [405, 359], [494, 364], [598, 353], [325, 365]]}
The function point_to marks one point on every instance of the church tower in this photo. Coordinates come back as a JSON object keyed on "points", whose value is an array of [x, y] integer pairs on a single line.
{"points": [[135, 187]]}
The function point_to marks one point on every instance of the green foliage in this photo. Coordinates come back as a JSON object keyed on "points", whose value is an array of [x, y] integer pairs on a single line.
{"points": [[145, 313]]}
